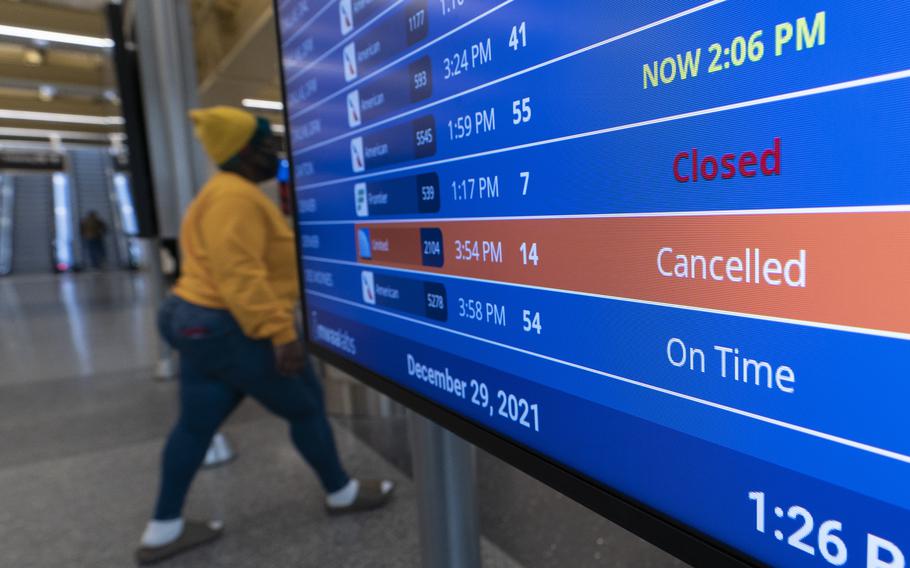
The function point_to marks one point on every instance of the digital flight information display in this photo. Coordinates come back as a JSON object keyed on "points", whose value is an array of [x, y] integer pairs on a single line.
{"points": [[663, 244]]}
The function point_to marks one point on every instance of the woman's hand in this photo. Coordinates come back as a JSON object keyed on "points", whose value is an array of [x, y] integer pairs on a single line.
{"points": [[290, 358]]}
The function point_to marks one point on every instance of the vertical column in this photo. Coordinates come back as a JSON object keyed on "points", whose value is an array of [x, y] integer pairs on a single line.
{"points": [[168, 78], [164, 46], [6, 224], [445, 472]]}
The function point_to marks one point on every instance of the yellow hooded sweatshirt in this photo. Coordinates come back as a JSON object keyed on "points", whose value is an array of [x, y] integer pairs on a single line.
{"points": [[237, 250], [237, 253]]}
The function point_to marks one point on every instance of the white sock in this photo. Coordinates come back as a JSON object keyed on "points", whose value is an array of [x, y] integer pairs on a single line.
{"points": [[344, 496], [161, 533]]}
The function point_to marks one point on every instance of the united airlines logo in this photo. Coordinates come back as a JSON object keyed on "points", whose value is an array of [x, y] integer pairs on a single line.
{"points": [[364, 245]]}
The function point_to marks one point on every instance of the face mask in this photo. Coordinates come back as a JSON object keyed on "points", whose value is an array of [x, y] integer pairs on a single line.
{"points": [[265, 159], [265, 167]]}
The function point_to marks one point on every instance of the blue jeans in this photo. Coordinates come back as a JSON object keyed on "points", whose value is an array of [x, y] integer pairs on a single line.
{"points": [[219, 366], [96, 252]]}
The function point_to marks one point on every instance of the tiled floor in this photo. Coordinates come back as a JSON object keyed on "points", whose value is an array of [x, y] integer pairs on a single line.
{"points": [[537, 526], [82, 423]]}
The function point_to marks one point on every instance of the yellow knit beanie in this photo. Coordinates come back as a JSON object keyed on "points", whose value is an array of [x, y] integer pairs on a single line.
{"points": [[223, 130]]}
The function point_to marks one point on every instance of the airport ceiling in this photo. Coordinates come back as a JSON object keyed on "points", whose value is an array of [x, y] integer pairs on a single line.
{"points": [[51, 86], [236, 51], [85, 5], [236, 58]]}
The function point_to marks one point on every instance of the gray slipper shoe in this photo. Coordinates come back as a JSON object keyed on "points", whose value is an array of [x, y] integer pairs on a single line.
{"points": [[369, 496], [195, 533]]}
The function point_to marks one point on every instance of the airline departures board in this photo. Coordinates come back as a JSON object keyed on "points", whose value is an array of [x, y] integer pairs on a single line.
{"points": [[665, 244]]}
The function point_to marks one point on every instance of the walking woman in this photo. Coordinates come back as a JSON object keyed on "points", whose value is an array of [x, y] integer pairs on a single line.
{"points": [[231, 317]]}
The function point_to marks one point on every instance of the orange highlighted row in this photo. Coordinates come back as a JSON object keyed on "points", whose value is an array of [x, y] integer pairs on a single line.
{"points": [[849, 269]]}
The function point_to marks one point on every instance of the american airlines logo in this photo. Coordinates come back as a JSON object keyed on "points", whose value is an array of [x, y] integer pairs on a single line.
{"points": [[368, 287], [349, 59], [346, 14], [354, 109], [358, 164]]}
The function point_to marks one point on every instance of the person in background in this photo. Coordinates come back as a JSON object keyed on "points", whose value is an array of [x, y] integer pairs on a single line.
{"points": [[93, 230], [231, 315]]}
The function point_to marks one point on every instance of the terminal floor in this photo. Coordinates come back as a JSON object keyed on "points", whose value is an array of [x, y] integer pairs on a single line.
{"points": [[82, 423]]}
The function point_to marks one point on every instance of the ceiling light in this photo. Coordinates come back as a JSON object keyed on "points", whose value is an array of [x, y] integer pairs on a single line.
{"points": [[56, 37], [262, 104], [10, 132], [33, 56], [60, 117], [46, 93]]}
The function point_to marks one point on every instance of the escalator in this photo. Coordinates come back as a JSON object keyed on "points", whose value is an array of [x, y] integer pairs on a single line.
{"points": [[90, 172], [33, 225], [43, 198]]}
